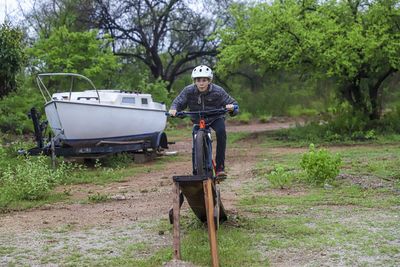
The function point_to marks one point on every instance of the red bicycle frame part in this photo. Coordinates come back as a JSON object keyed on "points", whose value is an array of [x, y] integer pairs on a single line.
{"points": [[202, 124]]}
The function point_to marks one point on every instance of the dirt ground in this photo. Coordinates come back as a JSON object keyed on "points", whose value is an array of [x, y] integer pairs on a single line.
{"points": [[33, 234]]}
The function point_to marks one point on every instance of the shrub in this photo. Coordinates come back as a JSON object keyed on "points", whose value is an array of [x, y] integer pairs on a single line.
{"points": [[264, 118], [32, 179], [15, 107], [279, 177], [3, 162], [320, 165], [157, 89], [118, 160], [11, 57], [242, 117]]}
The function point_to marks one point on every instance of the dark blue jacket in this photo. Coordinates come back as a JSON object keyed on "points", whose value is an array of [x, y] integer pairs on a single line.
{"points": [[214, 98]]}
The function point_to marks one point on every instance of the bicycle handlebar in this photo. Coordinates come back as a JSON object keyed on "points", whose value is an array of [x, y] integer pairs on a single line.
{"points": [[200, 113]]}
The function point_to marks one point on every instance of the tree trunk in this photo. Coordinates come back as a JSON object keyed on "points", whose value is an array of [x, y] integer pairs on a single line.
{"points": [[374, 89], [375, 113], [351, 92]]}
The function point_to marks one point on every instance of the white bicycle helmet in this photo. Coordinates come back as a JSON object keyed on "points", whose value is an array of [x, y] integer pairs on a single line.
{"points": [[202, 71]]}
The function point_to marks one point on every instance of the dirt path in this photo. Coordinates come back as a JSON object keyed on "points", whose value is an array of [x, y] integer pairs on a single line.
{"points": [[138, 198], [143, 198]]}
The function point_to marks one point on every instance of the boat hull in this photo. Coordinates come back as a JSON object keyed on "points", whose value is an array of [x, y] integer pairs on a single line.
{"points": [[78, 124]]}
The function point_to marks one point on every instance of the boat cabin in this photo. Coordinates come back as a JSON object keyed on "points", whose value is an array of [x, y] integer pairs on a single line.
{"points": [[110, 97]]}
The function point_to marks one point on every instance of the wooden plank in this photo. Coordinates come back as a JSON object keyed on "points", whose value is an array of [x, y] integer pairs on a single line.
{"points": [[212, 234], [176, 225]]}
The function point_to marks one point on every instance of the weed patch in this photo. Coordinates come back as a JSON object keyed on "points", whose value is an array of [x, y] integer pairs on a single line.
{"points": [[320, 165]]}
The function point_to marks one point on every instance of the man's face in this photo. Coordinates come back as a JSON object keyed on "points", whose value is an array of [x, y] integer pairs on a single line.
{"points": [[202, 83]]}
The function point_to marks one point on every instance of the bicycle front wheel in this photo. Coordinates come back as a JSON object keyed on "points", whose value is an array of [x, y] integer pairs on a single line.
{"points": [[200, 153]]}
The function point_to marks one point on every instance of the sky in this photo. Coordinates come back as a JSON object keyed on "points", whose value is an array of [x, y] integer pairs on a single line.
{"points": [[11, 8]]}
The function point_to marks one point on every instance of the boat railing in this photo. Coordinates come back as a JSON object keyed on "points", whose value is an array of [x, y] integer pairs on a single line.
{"points": [[45, 92]]}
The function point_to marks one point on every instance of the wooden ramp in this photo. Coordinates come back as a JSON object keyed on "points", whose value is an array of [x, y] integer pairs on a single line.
{"points": [[203, 197], [193, 190]]}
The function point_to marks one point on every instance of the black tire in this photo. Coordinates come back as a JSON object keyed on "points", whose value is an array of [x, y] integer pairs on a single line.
{"points": [[200, 154]]}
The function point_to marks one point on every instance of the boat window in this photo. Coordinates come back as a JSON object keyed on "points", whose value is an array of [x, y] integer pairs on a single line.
{"points": [[87, 98], [144, 101], [128, 100]]}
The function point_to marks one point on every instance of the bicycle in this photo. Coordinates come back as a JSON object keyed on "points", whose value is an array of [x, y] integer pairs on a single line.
{"points": [[202, 162]]}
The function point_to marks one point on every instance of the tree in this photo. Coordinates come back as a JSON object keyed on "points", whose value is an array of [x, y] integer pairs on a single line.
{"points": [[48, 15], [11, 57], [168, 36], [355, 41], [76, 52]]}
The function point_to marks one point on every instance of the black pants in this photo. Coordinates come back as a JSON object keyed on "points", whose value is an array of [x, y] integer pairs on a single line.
{"points": [[219, 127]]}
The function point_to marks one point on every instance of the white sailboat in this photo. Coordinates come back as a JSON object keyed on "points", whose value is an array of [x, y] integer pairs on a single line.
{"points": [[99, 116]]}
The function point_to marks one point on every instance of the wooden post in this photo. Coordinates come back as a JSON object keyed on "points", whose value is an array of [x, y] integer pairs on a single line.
{"points": [[176, 225], [212, 234]]}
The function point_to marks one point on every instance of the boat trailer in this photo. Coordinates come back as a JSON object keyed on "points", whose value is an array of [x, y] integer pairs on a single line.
{"points": [[51, 147]]}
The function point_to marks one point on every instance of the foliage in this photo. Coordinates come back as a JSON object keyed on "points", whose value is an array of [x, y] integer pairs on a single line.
{"points": [[358, 47], [98, 198], [31, 179], [158, 90], [74, 52], [3, 155], [119, 160], [279, 177], [342, 124], [320, 165], [11, 57], [47, 15], [15, 107], [264, 118], [279, 93], [242, 117]]}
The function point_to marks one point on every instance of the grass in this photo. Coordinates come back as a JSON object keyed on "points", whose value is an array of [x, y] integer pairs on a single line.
{"points": [[19, 205], [104, 171], [98, 198], [353, 222]]}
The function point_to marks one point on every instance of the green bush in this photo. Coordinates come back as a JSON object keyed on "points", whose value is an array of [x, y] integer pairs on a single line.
{"points": [[340, 125], [158, 90], [298, 110], [320, 165], [31, 179], [279, 177], [264, 118], [3, 162], [118, 160], [14, 110], [242, 117], [11, 57], [389, 122]]}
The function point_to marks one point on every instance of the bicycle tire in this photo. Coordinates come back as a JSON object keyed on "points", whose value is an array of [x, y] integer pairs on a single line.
{"points": [[200, 154]]}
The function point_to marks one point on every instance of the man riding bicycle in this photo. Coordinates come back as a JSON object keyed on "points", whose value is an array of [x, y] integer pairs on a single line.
{"points": [[203, 95]]}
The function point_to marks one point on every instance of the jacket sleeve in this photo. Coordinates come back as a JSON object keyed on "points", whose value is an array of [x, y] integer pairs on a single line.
{"points": [[227, 99], [180, 102]]}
